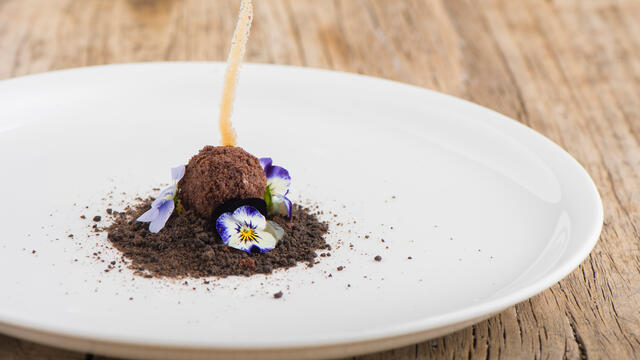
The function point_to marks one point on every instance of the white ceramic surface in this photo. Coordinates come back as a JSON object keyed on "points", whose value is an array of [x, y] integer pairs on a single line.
{"points": [[490, 211]]}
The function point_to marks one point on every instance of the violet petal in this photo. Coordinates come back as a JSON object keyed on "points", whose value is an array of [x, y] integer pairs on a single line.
{"points": [[278, 180], [168, 193], [282, 205], [149, 216], [248, 215], [227, 226], [177, 173], [265, 162], [164, 212]]}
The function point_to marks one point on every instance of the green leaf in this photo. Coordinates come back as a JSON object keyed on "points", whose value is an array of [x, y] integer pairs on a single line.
{"points": [[268, 200]]}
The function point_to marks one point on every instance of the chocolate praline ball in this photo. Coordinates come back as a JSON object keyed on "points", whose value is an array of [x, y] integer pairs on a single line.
{"points": [[217, 174]]}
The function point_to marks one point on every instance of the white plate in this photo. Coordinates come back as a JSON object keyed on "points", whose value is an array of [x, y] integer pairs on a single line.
{"points": [[490, 211]]}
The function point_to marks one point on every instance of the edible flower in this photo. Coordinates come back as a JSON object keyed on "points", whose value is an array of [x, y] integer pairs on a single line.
{"points": [[248, 230], [164, 204], [278, 182]]}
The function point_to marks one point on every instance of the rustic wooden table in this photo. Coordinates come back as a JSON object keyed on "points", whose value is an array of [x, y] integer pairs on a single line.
{"points": [[568, 68]]}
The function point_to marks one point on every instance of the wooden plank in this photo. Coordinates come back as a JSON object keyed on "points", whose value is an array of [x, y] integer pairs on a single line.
{"points": [[14, 349], [568, 68]]}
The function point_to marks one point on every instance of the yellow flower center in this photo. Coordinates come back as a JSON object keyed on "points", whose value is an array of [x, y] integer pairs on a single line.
{"points": [[248, 234]]}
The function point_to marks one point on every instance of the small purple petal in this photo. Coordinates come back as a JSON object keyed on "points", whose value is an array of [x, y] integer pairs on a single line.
{"points": [[267, 241], [282, 205], [164, 212], [265, 162], [168, 192], [177, 173], [148, 216], [278, 180], [277, 172], [289, 207], [248, 215], [226, 226], [262, 248]]}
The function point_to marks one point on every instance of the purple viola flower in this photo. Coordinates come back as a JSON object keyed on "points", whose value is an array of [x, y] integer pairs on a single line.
{"points": [[278, 182], [162, 207], [248, 230]]}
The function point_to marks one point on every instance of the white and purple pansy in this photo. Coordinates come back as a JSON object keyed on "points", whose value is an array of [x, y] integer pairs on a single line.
{"points": [[278, 182], [164, 204], [248, 230]]}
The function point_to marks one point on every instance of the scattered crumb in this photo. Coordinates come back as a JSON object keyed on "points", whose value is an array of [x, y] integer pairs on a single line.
{"points": [[277, 295], [97, 218], [378, 258]]}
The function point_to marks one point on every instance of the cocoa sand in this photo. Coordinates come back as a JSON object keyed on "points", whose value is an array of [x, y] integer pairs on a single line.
{"points": [[188, 246]]}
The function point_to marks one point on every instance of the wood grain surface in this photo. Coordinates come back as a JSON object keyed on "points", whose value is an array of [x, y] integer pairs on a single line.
{"points": [[569, 69]]}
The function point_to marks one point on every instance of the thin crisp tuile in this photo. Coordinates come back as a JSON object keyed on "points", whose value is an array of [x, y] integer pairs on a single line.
{"points": [[236, 53]]}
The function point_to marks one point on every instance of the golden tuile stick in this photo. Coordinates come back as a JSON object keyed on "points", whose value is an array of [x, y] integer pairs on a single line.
{"points": [[236, 53]]}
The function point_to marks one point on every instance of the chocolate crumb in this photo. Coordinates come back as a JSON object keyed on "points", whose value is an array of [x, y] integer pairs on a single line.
{"points": [[189, 246], [378, 258], [410, 258], [82, 217], [340, 268], [97, 218], [278, 295], [109, 211]]}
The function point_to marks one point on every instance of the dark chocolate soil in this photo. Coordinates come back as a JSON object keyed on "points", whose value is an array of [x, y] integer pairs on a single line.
{"points": [[187, 246]]}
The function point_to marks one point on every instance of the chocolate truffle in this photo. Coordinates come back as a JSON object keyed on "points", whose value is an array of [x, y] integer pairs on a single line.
{"points": [[220, 173]]}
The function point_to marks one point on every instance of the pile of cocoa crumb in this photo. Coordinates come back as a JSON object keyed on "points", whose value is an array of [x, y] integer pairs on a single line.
{"points": [[188, 246]]}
